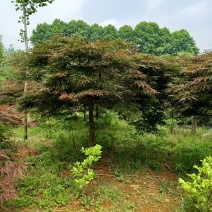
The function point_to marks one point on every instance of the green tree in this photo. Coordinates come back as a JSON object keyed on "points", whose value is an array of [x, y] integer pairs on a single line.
{"points": [[28, 7], [109, 32], [95, 32], [126, 33], [79, 28], [183, 42], [165, 41], [83, 75], [148, 36], [42, 32]]}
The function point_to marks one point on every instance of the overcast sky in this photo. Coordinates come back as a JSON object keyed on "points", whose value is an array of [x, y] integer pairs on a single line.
{"points": [[193, 15]]}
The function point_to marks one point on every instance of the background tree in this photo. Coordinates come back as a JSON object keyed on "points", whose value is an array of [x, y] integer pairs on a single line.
{"points": [[126, 33], [148, 36], [95, 32], [183, 42], [79, 28], [45, 32], [192, 88], [86, 75], [28, 7], [110, 33]]}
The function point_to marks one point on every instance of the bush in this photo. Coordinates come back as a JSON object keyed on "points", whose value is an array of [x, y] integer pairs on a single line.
{"points": [[198, 193], [82, 171]]}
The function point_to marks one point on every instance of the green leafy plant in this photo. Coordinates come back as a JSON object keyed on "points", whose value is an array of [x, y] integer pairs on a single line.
{"points": [[82, 171], [198, 193]]}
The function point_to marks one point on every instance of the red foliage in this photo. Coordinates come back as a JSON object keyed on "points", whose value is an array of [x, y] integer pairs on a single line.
{"points": [[8, 115], [9, 174]]}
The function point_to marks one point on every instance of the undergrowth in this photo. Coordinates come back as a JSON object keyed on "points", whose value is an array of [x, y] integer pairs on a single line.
{"points": [[57, 144]]}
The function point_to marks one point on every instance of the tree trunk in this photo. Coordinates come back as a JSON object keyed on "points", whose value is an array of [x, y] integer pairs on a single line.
{"points": [[25, 38], [91, 123], [194, 126]]}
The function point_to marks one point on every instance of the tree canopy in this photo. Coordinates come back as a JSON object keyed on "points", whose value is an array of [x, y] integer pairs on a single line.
{"points": [[75, 74], [147, 37], [192, 89]]}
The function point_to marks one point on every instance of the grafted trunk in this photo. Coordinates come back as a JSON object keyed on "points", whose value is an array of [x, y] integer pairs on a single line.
{"points": [[91, 123]]}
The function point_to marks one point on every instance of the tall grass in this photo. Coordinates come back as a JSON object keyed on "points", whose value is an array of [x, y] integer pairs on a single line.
{"points": [[128, 149]]}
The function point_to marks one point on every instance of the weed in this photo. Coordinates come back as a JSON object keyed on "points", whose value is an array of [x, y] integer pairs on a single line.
{"points": [[167, 187], [159, 198], [42, 188]]}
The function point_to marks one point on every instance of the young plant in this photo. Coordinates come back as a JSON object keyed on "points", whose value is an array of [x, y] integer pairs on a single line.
{"points": [[82, 171], [198, 194]]}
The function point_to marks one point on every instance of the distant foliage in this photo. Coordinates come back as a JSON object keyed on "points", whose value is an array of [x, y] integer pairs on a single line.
{"points": [[146, 37]]}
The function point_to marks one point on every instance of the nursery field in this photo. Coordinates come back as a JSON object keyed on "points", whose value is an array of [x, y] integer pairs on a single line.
{"points": [[99, 119]]}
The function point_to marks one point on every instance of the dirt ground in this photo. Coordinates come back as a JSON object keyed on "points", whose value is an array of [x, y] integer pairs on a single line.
{"points": [[147, 191]]}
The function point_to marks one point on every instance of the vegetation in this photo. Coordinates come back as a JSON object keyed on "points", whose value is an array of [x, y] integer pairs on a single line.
{"points": [[10, 171], [126, 158], [84, 76], [109, 111], [146, 37], [199, 192], [82, 171], [28, 7]]}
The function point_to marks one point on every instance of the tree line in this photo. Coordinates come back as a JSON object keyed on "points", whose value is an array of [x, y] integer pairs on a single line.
{"points": [[146, 37]]}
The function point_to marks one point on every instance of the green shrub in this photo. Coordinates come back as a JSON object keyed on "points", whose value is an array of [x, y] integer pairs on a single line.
{"points": [[198, 193], [82, 171]]}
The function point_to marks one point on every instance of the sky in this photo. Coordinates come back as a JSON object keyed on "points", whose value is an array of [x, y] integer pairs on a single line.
{"points": [[193, 15]]}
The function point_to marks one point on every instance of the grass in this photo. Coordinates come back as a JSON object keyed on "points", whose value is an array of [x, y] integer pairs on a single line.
{"points": [[127, 155]]}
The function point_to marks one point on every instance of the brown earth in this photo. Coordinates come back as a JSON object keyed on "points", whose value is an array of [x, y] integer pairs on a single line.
{"points": [[146, 191]]}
